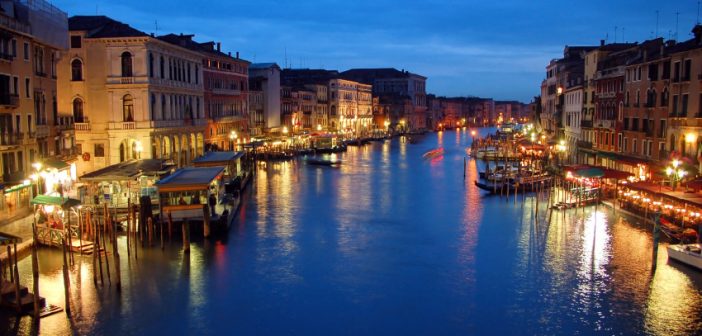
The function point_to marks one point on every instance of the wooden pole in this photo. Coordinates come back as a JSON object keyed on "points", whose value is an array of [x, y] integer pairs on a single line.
{"points": [[129, 226], [66, 283], [98, 251], [656, 238], [115, 256], [186, 243], [150, 225], [104, 244], [134, 239], [170, 227], [161, 229], [9, 263], [95, 252], [206, 221], [13, 259], [35, 267], [70, 240]]}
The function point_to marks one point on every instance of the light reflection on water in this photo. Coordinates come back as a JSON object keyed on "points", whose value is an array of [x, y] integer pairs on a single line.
{"points": [[389, 243]]}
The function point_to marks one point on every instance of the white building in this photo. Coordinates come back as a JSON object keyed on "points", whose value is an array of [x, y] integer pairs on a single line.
{"points": [[264, 97], [131, 95], [572, 116]]}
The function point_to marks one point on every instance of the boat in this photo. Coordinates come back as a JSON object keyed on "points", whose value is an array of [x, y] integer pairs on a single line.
{"points": [[512, 187], [433, 153], [486, 153], [689, 254], [322, 162]]}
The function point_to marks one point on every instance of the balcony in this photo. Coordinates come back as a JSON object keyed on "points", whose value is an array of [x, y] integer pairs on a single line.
{"points": [[586, 124], [11, 139], [82, 127], [40, 73], [6, 56], [225, 91], [8, 100], [42, 131], [584, 144], [606, 95]]}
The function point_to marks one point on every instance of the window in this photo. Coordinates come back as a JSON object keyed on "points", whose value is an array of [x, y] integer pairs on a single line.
{"points": [[151, 65], [27, 87], [78, 110], [625, 147], [675, 105], [99, 150], [676, 72], [75, 42], [26, 51], [683, 111], [76, 70], [153, 106], [128, 108], [163, 73], [664, 98], [126, 64], [633, 146], [662, 130], [619, 142], [14, 48], [666, 70], [661, 150], [15, 86], [39, 61], [687, 69]]}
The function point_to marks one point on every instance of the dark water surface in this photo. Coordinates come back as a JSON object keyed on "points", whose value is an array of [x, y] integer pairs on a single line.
{"points": [[389, 243]]}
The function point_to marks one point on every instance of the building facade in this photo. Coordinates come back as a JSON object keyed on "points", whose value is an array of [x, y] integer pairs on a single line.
{"points": [[33, 40], [264, 97], [131, 95]]}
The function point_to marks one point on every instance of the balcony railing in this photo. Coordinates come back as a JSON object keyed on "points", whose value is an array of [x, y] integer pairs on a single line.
{"points": [[11, 139], [6, 56], [9, 100], [82, 127], [40, 73], [42, 131], [586, 123], [225, 91]]}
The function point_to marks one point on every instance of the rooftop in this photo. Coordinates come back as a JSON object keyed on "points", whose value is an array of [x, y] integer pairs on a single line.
{"points": [[100, 26], [211, 157], [191, 177], [129, 170]]}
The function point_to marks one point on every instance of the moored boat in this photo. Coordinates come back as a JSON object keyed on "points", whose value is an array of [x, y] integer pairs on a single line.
{"points": [[322, 162], [689, 254]]}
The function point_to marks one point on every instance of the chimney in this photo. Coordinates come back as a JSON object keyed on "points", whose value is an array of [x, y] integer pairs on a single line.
{"points": [[237, 55], [219, 46], [152, 34], [669, 43], [697, 31], [602, 43]]}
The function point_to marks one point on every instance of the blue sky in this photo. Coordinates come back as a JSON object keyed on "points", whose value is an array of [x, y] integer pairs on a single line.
{"points": [[493, 48]]}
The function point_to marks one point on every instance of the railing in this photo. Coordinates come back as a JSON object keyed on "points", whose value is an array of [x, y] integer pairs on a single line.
{"points": [[82, 126], [128, 125], [9, 100], [11, 139], [223, 91], [606, 95], [6, 56], [42, 131], [586, 123]]}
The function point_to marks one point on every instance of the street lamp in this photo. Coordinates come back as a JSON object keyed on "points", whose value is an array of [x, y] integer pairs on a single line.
{"points": [[675, 172], [139, 148], [319, 127], [232, 136]]}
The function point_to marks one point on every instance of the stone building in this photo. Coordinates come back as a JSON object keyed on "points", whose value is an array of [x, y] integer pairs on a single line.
{"points": [[264, 97], [131, 95], [33, 39]]}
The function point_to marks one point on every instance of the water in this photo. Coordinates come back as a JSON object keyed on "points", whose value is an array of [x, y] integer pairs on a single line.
{"points": [[389, 243]]}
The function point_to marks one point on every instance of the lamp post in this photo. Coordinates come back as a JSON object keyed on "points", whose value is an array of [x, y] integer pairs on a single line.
{"points": [[37, 176], [232, 137], [675, 173], [387, 126]]}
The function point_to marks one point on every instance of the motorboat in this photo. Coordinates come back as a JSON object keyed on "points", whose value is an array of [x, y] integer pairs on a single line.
{"points": [[689, 254], [434, 153], [322, 161]]}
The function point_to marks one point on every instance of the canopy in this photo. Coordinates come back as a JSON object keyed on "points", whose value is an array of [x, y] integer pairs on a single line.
{"points": [[8, 239], [63, 202], [589, 172], [190, 179]]}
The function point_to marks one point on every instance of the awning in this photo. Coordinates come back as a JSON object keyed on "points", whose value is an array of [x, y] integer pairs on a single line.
{"points": [[8, 239], [63, 202]]}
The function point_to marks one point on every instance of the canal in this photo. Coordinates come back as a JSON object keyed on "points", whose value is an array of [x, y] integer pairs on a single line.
{"points": [[388, 243]]}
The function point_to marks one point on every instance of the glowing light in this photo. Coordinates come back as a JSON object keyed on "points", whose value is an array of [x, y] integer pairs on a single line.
{"points": [[690, 137]]}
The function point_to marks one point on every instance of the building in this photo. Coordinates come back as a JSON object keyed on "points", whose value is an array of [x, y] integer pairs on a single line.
{"points": [[34, 37], [685, 118], [264, 97], [131, 95], [394, 86], [226, 87], [645, 115], [351, 107], [572, 115]]}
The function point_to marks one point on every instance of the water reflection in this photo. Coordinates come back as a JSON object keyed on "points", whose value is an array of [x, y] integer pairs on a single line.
{"points": [[389, 243]]}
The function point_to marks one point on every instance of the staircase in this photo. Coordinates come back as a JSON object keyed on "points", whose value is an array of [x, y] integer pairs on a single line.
{"points": [[8, 295]]}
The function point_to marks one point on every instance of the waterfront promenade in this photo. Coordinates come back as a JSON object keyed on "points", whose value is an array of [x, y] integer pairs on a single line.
{"points": [[388, 243]]}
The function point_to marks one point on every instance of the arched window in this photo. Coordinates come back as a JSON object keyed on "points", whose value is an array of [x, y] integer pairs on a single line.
{"points": [[76, 70], [163, 68], [163, 107], [128, 108], [78, 110], [127, 64], [151, 65]]}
